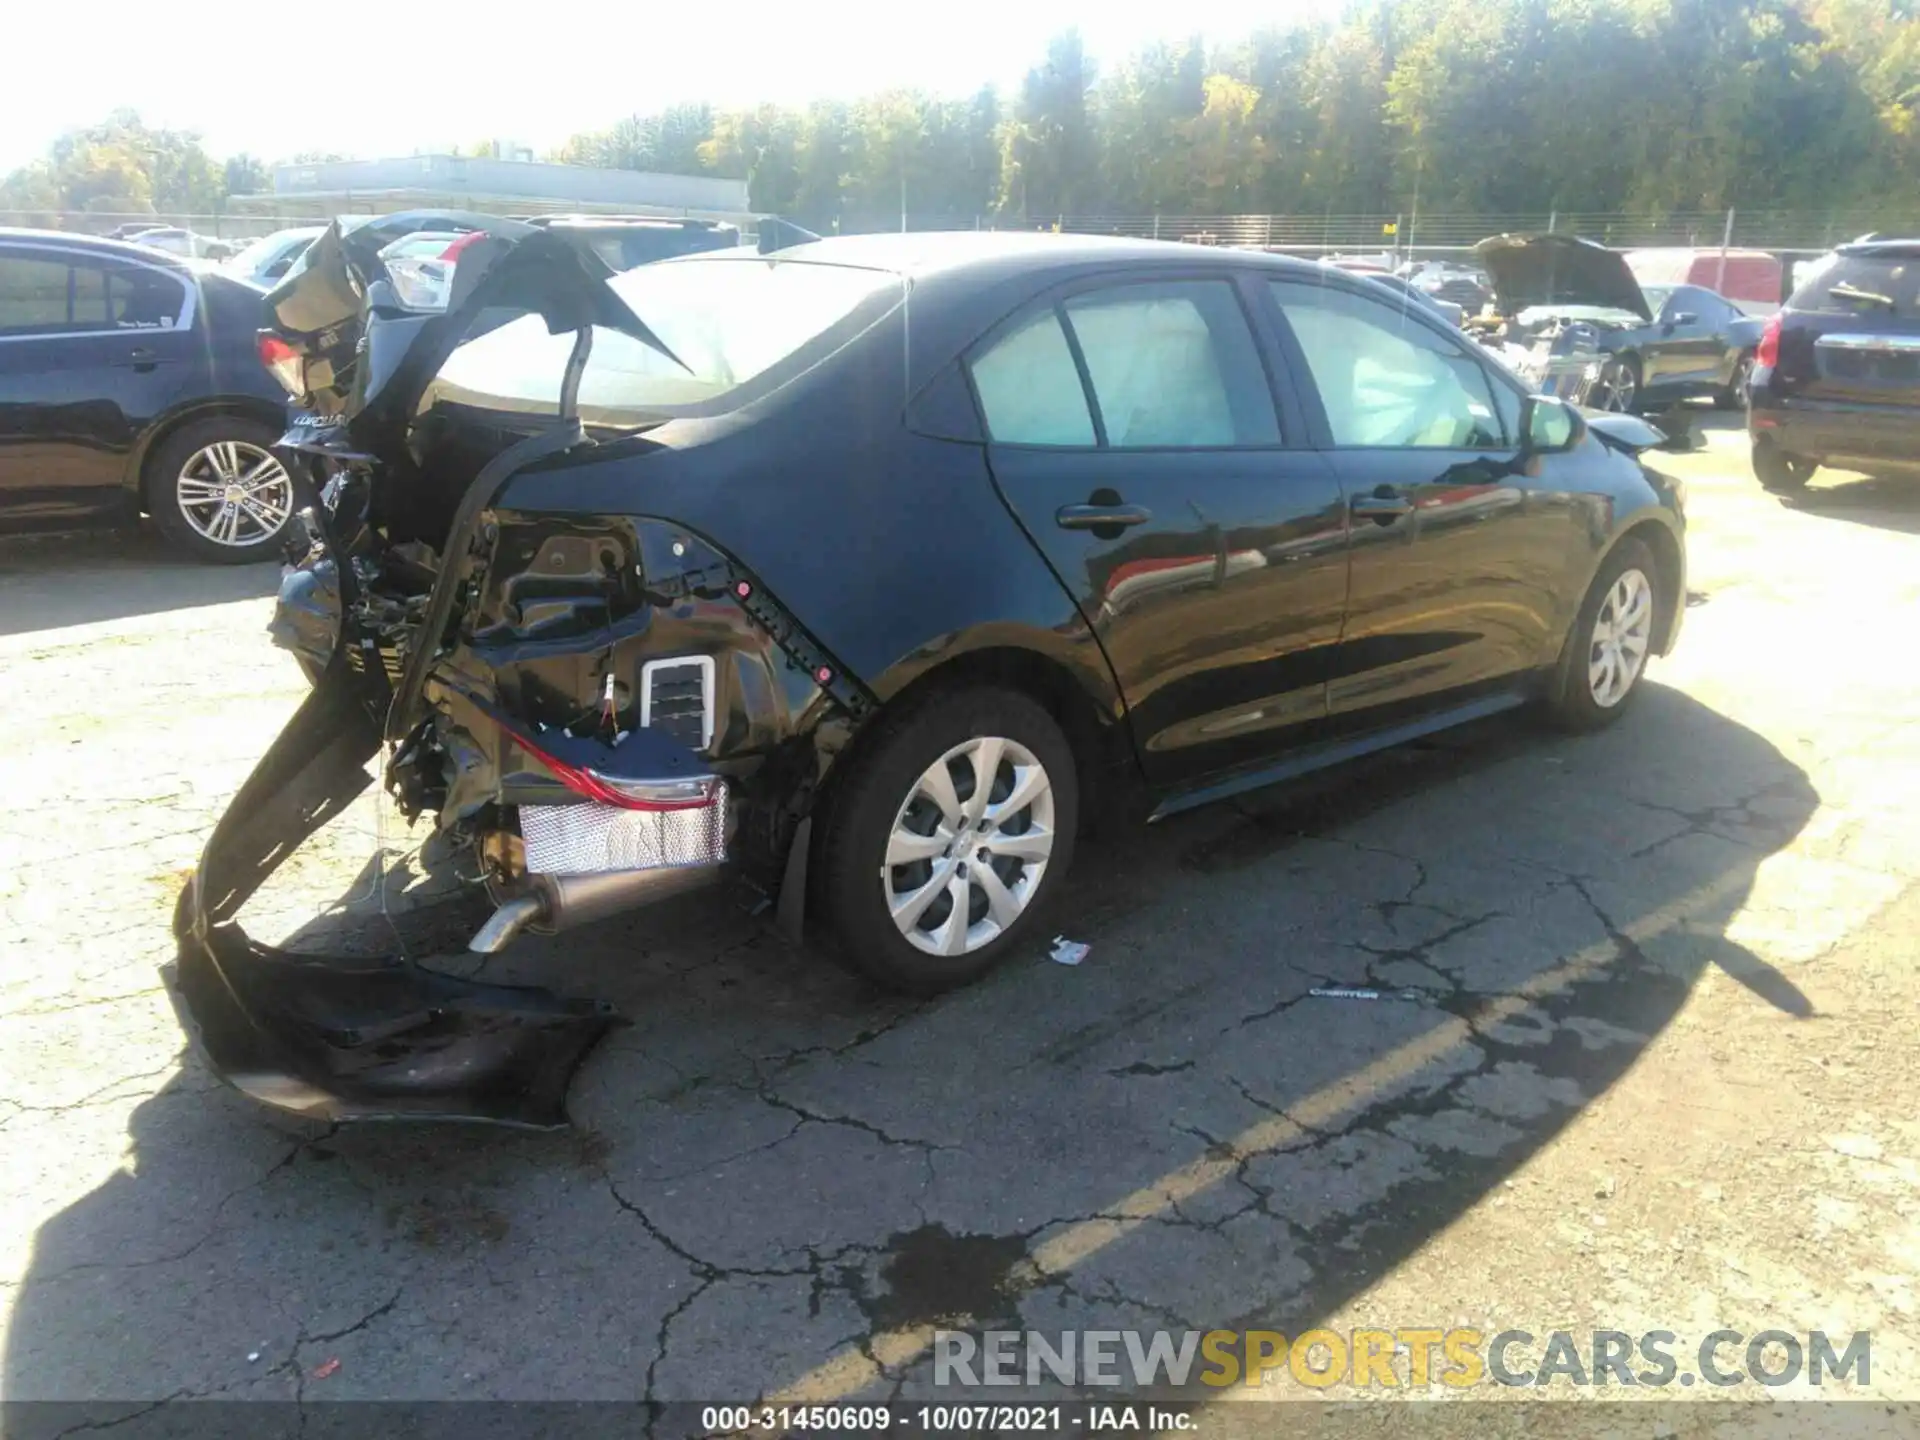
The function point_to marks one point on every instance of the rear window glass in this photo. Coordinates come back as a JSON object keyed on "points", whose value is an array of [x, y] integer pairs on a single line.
{"points": [[728, 320], [1866, 285]]}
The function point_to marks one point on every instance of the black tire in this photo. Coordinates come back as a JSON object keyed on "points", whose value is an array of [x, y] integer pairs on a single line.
{"points": [[1778, 471], [169, 485], [1573, 703], [1617, 387], [853, 880], [1734, 397]]}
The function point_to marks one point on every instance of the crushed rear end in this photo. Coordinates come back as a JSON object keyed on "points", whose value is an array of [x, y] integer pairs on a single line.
{"points": [[548, 687]]}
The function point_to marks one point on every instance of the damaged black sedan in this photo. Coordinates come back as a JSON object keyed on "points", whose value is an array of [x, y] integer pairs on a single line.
{"points": [[872, 570]]}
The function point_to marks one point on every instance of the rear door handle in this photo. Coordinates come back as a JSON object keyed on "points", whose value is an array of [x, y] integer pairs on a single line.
{"points": [[141, 357], [1099, 517], [1382, 509]]}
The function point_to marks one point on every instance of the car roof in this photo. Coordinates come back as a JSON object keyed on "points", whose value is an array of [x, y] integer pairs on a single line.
{"points": [[926, 254], [628, 222], [1890, 249], [67, 239]]}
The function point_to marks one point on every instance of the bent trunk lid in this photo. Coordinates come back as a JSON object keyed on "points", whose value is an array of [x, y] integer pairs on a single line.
{"points": [[371, 356]]}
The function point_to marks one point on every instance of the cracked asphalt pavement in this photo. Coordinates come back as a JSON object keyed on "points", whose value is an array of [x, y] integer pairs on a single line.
{"points": [[1653, 1066]]}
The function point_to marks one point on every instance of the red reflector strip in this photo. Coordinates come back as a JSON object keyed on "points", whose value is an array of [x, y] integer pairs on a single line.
{"points": [[624, 794]]}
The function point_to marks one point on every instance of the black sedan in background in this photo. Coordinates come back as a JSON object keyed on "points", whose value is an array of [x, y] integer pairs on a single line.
{"points": [[869, 570], [1838, 378], [1656, 345], [130, 381]]}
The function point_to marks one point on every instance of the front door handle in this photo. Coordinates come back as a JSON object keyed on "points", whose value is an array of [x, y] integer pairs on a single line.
{"points": [[1383, 507], [1099, 517], [142, 358]]}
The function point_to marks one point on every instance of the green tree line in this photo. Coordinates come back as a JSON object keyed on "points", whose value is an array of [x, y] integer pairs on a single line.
{"points": [[1482, 106], [1476, 106], [124, 167]]}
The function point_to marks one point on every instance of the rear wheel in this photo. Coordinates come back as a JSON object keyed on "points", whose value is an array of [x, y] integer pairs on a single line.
{"points": [[1778, 471], [1606, 654], [951, 836], [216, 490]]}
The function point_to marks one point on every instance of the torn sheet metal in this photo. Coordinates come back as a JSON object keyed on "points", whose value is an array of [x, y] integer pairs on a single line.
{"points": [[337, 1037]]}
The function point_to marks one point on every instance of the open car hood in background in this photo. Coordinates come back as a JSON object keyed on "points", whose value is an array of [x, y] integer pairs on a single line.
{"points": [[1546, 271]]}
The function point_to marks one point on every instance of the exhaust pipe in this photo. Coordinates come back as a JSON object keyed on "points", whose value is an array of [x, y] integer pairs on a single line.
{"points": [[562, 902]]}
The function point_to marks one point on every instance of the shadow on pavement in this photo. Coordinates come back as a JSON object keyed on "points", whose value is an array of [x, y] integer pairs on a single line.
{"points": [[1886, 503], [782, 1178], [52, 582]]}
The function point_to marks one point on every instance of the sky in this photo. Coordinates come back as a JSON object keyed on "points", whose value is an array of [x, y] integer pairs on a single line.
{"points": [[275, 79]]}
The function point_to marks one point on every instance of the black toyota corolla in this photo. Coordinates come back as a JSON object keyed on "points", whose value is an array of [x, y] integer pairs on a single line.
{"points": [[869, 569]]}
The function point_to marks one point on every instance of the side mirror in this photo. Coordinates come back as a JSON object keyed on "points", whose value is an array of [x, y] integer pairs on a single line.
{"points": [[1548, 425], [1682, 317]]}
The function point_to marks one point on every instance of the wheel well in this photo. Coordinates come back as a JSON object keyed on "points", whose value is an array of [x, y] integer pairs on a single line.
{"points": [[141, 471], [1104, 761], [1666, 558]]}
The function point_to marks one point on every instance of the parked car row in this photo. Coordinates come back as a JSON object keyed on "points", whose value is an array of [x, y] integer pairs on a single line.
{"points": [[622, 241], [130, 382], [174, 240]]}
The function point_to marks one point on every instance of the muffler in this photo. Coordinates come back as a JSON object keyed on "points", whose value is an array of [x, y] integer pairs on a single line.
{"points": [[563, 902]]}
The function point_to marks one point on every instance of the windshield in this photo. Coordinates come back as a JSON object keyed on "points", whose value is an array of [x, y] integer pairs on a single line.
{"points": [[728, 319], [1656, 296]]}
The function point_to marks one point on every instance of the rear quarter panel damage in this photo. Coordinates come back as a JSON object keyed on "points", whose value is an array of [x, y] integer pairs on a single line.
{"points": [[893, 550]]}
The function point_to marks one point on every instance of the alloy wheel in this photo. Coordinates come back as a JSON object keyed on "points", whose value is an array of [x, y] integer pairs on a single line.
{"points": [[234, 493], [969, 846], [1622, 632], [1617, 387]]}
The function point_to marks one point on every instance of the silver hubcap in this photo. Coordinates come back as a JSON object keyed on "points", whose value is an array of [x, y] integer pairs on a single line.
{"points": [[233, 493], [969, 846], [1616, 383], [1621, 632]]}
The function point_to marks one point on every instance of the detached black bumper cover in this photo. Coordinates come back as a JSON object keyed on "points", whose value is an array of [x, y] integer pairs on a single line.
{"points": [[337, 1037]]}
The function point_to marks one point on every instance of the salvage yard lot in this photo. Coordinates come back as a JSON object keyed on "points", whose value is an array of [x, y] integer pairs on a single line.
{"points": [[1656, 1070]]}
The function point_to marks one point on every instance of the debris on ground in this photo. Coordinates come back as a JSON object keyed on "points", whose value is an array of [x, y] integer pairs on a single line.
{"points": [[1349, 992], [326, 1368], [1068, 952]]}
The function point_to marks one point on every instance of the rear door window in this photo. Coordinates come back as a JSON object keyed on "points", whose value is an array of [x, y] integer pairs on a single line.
{"points": [[1135, 366], [35, 294], [1173, 365], [1860, 285], [1029, 387], [49, 293]]}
